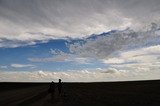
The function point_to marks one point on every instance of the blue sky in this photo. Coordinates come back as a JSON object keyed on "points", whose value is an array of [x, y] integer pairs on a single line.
{"points": [[79, 40], [22, 55]]}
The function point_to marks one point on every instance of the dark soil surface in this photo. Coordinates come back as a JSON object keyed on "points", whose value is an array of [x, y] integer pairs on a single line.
{"points": [[131, 93]]}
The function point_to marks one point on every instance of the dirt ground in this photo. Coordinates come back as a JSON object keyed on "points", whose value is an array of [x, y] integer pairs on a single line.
{"points": [[134, 93]]}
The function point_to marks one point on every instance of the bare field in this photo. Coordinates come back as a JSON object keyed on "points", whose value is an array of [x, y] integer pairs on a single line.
{"points": [[131, 93]]}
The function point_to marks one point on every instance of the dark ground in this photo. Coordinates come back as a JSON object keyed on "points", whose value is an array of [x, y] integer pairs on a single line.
{"points": [[131, 93]]}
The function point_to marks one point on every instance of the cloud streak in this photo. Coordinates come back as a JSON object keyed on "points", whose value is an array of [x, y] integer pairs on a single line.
{"points": [[22, 65]]}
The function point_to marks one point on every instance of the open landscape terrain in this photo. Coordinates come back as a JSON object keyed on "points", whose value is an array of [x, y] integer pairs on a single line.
{"points": [[131, 93], [79, 52]]}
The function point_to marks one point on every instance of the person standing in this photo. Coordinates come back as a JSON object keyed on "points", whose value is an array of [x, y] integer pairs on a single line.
{"points": [[59, 86]]}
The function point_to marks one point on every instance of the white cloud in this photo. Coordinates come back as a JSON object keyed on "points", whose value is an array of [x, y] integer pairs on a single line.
{"points": [[22, 65], [16, 43], [106, 46], [80, 60], [142, 59], [108, 74], [113, 61], [44, 20], [147, 55]]}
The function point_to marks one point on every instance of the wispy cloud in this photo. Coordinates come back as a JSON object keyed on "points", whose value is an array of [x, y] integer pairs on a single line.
{"points": [[49, 59], [108, 45], [62, 58], [3, 66], [142, 59], [22, 65]]}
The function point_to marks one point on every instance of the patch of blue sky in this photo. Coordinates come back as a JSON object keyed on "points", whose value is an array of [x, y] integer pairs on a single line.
{"points": [[20, 55]]}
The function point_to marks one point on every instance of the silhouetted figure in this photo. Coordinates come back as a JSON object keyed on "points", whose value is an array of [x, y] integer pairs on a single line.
{"points": [[52, 89], [59, 86]]}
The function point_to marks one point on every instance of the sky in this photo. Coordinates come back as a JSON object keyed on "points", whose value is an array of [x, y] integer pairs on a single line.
{"points": [[79, 40]]}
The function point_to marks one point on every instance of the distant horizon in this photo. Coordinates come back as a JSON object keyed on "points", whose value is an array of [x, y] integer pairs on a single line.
{"points": [[92, 82]]}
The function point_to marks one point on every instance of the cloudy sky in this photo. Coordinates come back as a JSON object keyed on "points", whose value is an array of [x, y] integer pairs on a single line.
{"points": [[79, 40]]}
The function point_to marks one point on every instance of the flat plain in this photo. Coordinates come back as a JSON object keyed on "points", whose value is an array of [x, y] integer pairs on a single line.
{"points": [[126, 93]]}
